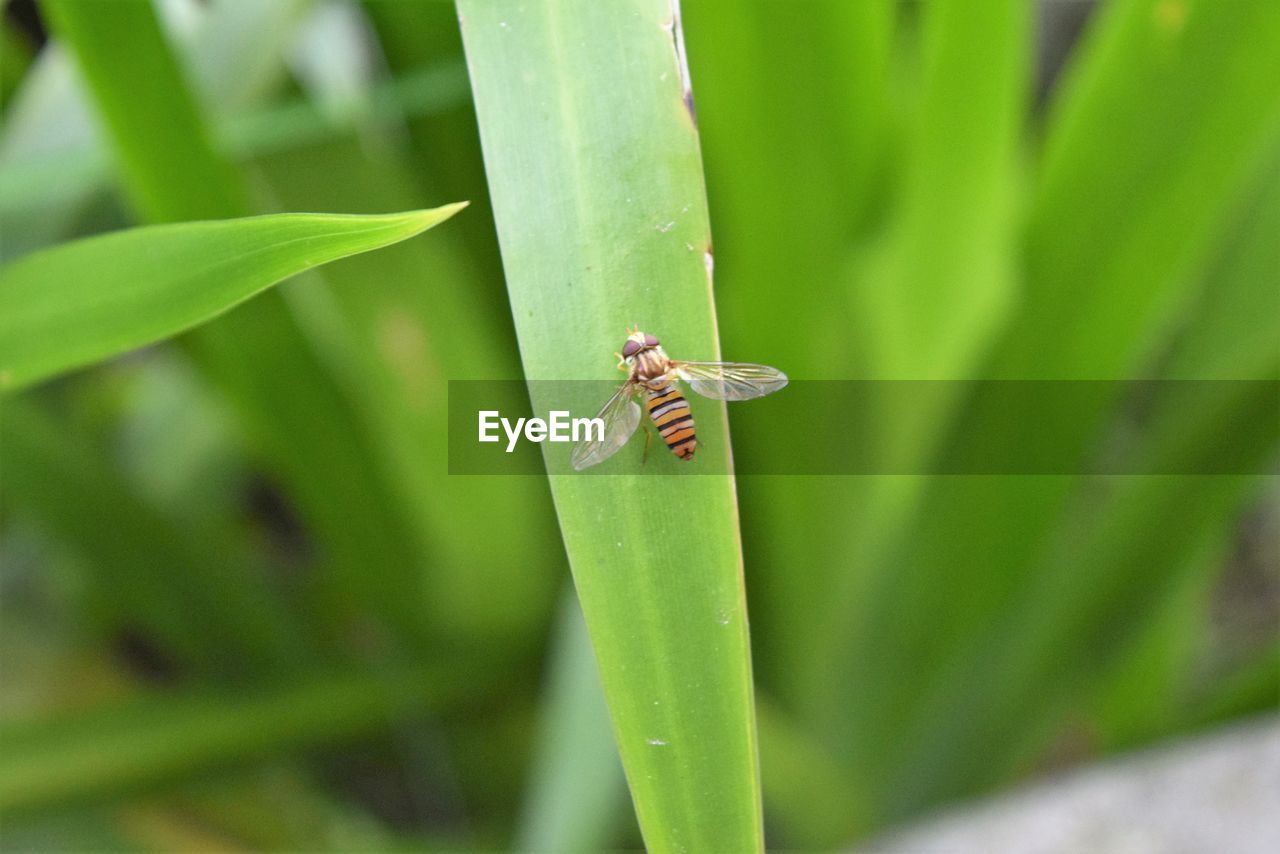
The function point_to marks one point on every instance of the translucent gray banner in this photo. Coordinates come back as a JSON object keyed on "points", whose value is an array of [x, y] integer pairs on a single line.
{"points": [[829, 427]]}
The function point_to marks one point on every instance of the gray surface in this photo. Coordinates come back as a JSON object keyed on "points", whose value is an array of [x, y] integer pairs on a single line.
{"points": [[1216, 793]]}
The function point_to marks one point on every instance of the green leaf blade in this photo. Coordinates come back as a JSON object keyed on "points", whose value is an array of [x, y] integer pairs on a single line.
{"points": [[160, 141], [592, 156], [90, 299]]}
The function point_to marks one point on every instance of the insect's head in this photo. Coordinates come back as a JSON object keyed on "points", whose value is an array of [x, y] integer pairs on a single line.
{"points": [[637, 342]]}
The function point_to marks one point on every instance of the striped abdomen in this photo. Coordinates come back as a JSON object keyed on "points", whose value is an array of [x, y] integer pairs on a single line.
{"points": [[670, 413]]}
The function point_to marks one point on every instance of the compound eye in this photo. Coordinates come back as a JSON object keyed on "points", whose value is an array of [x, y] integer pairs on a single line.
{"points": [[650, 341], [630, 348]]}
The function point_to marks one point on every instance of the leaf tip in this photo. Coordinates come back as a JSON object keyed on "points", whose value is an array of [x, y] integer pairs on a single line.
{"points": [[446, 211], [421, 220]]}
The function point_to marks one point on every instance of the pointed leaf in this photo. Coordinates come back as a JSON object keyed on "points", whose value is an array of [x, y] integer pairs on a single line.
{"points": [[87, 300]]}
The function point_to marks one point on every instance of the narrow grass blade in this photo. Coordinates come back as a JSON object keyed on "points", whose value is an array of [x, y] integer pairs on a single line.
{"points": [[757, 112], [944, 282], [162, 144], [54, 763], [1231, 337], [53, 157], [931, 296], [90, 299], [576, 791], [591, 150], [444, 147]]}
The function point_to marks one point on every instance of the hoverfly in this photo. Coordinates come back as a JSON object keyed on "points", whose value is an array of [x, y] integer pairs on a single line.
{"points": [[652, 373]]}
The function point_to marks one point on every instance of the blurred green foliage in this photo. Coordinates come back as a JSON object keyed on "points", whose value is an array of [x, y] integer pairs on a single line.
{"points": [[243, 605]]}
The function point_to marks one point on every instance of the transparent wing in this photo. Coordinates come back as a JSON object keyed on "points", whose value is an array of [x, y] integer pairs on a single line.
{"points": [[731, 380], [621, 416]]}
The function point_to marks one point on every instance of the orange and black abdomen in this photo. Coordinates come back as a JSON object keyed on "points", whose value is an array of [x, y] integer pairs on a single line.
{"points": [[671, 415]]}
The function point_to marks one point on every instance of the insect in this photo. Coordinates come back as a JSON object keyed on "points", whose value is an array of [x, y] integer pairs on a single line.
{"points": [[652, 373]]}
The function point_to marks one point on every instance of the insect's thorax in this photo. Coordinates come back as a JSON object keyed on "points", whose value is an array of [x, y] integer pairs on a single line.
{"points": [[651, 367]]}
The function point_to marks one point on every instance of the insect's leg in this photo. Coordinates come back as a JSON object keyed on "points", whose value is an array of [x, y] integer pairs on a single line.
{"points": [[622, 363], [648, 434]]}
